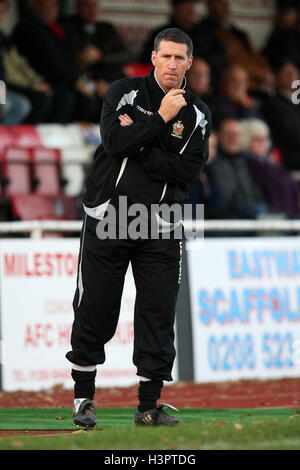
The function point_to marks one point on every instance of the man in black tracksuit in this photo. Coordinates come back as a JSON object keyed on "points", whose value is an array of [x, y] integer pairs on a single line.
{"points": [[154, 143]]}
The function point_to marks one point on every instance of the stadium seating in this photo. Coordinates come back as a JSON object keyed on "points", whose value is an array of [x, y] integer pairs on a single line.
{"points": [[16, 175], [33, 207], [54, 136], [60, 136], [83, 154], [65, 207], [25, 136], [46, 171], [6, 138], [42, 169], [76, 133], [73, 163], [73, 175]]}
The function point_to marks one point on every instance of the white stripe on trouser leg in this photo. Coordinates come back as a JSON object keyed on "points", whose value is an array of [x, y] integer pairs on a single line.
{"points": [[144, 379], [80, 282], [84, 368], [164, 192]]}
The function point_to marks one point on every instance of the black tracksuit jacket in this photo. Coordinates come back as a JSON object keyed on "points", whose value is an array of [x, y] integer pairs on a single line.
{"points": [[150, 161]]}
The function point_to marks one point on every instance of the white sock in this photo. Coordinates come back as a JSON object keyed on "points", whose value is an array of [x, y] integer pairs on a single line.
{"points": [[144, 379], [84, 368]]}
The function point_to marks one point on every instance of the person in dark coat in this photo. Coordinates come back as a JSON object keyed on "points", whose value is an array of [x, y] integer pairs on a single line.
{"points": [[95, 45], [206, 43], [23, 80], [199, 79], [41, 40], [14, 107], [283, 43], [233, 98], [237, 44], [282, 113], [229, 173], [205, 190], [279, 188]]}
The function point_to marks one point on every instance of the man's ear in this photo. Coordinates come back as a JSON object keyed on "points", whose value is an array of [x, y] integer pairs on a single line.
{"points": [[153, 58], [190, 63]]}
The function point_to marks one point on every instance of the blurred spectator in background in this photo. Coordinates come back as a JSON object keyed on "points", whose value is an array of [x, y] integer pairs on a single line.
{"points": [[42, 41], [233, 98], [285, 19], [283, 115], [17, 106], [21, 78], [96, 45], [284, 41], [205, 190], [256, 139], [199, 79], [206, 44], [279, 189], [228, 173], [237, 44], [15, 109]]}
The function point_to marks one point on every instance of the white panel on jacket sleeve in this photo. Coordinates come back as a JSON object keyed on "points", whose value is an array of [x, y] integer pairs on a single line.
{"points": [[200, 121], [128, 98]]}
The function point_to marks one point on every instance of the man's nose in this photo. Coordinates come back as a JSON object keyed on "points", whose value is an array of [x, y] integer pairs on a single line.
{"points": [[172, 63]]}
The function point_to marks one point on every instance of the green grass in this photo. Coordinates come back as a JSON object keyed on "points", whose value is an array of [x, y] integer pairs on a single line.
{"points": [[204, 429]]}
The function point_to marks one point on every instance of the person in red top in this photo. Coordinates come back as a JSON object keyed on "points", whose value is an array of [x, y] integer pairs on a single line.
{"points": [[233, 98]]}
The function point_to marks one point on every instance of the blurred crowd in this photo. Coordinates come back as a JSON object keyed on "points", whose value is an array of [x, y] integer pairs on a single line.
{"points": [[57, 70]]}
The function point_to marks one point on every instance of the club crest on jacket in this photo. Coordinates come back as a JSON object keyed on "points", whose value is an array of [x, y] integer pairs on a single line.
{"points": [[178, 129]]}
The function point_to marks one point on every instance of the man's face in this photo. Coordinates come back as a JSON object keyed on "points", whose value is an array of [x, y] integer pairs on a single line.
{"points": [[171, 63], [48, 10], [237, 82], [88, 10], [259, 144], [199, 77], [230, 136]]}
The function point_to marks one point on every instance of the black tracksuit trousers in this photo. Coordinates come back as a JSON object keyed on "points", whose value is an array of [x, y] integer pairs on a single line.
{"points": [[156, 265]]}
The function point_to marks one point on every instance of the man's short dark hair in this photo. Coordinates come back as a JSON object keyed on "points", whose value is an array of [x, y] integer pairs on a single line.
{"points": [[175, 35]]}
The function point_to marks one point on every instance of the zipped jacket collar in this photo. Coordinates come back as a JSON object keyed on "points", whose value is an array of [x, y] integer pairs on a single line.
{"points": [[152, 74]]}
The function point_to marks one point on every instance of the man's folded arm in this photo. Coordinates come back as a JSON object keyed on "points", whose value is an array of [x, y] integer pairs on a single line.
{"points": [[118, 141]]}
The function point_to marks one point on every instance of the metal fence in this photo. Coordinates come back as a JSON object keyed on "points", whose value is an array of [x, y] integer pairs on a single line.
{"points": [[36, 228]]}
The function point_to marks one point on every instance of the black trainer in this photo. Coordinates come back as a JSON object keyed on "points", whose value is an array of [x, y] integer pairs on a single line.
{"points": [[156, 417], [84, 415]]}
